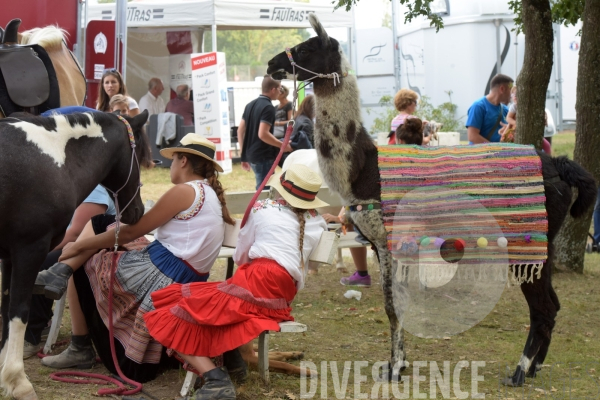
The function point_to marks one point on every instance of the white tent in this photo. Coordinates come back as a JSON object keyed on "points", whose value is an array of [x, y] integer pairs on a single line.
{"points": [[225, 14], [148, 22]]}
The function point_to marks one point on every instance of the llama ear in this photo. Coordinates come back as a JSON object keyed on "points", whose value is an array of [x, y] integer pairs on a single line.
{"points": [[321, 33]]}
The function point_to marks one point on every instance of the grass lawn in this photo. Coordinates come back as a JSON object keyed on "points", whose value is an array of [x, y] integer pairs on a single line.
{"points": [[346, 330]]}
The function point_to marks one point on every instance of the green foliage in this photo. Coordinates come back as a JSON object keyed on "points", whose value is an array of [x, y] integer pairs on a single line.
{"points": [[445, 113], [567, 12], [384, 119], [416, 8], [254, 47]]}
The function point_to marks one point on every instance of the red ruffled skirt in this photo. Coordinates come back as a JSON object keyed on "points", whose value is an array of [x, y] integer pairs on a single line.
{"points": [[209, 318]]}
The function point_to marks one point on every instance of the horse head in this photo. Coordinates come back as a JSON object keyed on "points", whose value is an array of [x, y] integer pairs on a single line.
{"points": [[124, 175], [320, 54]]}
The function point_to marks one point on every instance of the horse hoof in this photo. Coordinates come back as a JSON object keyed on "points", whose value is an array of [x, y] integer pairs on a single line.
{"points": [[342, 270], [29, 396], [313, 271]]}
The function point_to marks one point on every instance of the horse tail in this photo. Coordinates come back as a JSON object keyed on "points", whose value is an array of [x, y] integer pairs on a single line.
{"points": [[575, 176]]}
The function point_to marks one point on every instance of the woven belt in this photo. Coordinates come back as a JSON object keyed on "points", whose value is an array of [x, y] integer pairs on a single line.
{"points": [[364, 207]]}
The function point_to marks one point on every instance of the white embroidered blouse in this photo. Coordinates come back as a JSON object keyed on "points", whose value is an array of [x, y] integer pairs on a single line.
{"points": [[272, 231], [196, 234]]}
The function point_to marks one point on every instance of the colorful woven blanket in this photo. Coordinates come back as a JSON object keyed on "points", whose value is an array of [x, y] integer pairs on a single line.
{"points": [[485, 203]]}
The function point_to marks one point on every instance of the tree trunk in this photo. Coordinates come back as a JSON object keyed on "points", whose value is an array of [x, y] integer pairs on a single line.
{"points": [[572, 238], [533, 80]]}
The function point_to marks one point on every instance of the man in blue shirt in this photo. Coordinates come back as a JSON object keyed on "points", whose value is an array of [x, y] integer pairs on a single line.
{"points": [[487, 115]]}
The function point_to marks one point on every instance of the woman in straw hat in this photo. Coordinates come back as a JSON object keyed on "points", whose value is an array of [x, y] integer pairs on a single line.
{"points": [[189, 221], [204, 320]]}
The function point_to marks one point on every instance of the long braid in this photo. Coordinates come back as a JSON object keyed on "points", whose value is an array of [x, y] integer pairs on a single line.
{"points": [[205, 168], [300, 215]]}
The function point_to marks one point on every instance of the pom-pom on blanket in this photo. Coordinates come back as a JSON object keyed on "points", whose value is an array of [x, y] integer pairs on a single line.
{"points": [[480, 204]]}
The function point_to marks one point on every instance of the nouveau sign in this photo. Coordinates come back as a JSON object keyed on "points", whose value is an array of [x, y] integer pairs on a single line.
{"points": [[211, 107]]}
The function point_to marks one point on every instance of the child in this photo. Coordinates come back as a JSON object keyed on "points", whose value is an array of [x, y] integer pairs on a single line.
{"points": [[509, 131], [411, 132], [119, 103]]}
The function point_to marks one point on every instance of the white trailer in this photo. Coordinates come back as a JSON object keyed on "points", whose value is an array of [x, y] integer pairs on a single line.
{"points": [[477, 42]]}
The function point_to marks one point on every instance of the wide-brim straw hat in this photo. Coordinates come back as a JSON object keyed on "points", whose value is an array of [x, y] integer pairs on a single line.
{"points": [[299, 186], [193, 143]]}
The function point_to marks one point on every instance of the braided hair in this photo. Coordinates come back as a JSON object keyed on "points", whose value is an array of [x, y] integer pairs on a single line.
{"points": [[203, 167]]}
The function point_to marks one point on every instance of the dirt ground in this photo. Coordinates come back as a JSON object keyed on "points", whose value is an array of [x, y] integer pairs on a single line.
{"points": [[347, 330]]}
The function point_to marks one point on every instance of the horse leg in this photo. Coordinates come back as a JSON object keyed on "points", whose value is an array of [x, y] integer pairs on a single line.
{"points": [[6, 274], [542, 314], [26, 261]]}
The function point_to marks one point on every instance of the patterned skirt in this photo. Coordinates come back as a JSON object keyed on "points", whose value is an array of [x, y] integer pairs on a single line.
{"points": [[209, 318], [136, 278]]}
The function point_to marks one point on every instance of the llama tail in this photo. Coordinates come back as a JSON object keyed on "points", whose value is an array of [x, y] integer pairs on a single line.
{"points": [[575, 176]]}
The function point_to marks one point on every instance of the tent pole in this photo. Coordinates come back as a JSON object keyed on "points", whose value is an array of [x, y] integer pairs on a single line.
{"points": [[498, 50], [214, 37], [396, 45]]}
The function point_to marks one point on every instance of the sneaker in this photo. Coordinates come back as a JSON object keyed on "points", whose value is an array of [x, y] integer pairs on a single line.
{"points": [[356, 280], [30, 350]]}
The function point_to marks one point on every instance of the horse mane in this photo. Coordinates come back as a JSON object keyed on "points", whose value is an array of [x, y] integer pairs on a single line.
{"points": [[47, 37]]}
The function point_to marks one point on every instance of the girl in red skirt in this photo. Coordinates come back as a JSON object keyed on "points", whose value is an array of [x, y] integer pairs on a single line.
{"points": [[202, 320]]}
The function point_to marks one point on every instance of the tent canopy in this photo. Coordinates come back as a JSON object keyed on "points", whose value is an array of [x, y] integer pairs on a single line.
{"points": [[225, 14]]}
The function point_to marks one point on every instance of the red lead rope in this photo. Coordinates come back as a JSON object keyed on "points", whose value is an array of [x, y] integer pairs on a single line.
{"points": [[286, 140], [98, 379]]}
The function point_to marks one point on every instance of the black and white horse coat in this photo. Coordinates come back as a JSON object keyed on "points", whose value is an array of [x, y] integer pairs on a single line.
{"points": [[48, 166]]}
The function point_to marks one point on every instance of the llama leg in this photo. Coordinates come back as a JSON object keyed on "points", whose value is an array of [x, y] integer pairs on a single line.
{"points": [[541, 355], [394, 295], [542, 311], [26, 262]]}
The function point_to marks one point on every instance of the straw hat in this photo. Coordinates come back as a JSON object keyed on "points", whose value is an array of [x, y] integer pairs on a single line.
{"points": [[194, 144], [298, 185]]}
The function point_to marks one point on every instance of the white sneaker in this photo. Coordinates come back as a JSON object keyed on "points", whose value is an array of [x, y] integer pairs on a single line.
{"points": [[30, 350]]}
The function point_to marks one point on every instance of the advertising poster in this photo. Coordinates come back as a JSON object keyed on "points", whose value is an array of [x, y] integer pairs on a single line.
{"points": [[211, 112]]}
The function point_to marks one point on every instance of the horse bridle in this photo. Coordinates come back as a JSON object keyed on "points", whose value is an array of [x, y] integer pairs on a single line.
{"points": [[116, 193]]}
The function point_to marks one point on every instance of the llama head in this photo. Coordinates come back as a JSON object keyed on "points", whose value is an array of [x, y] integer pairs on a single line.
{"points": [[320, 54]]}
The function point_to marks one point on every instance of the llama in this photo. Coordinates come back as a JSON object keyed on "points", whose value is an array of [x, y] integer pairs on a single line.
{"points": [[348, 160]]}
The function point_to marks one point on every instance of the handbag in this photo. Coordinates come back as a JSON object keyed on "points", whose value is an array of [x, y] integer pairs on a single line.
{"points": [[279, 131]]}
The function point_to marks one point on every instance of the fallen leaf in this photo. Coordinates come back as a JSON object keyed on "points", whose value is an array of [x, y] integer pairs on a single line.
{"points": [[308, 305], [446, 337], [527, 327], [290, 395], [352, 309], [269, 394], [553, 389]]}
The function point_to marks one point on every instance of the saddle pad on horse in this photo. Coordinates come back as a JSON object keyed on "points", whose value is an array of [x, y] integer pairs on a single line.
{"points": [[486, 201], [27, 79]]}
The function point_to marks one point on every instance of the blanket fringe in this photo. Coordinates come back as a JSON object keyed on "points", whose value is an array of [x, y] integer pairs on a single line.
{"points": [[437, 275]]}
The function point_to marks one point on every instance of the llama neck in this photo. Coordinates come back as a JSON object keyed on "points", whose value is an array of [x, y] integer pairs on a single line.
{"points": [[337, 121]]}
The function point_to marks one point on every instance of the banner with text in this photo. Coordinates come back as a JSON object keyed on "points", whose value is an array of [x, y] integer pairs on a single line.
{"points": [[211, 112]]}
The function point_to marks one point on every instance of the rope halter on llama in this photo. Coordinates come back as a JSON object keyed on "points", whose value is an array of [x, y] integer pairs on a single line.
{"points": [[334, 75]]}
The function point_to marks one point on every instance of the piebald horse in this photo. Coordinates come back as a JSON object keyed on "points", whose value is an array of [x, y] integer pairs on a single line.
{"points": [[47, 168]]}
